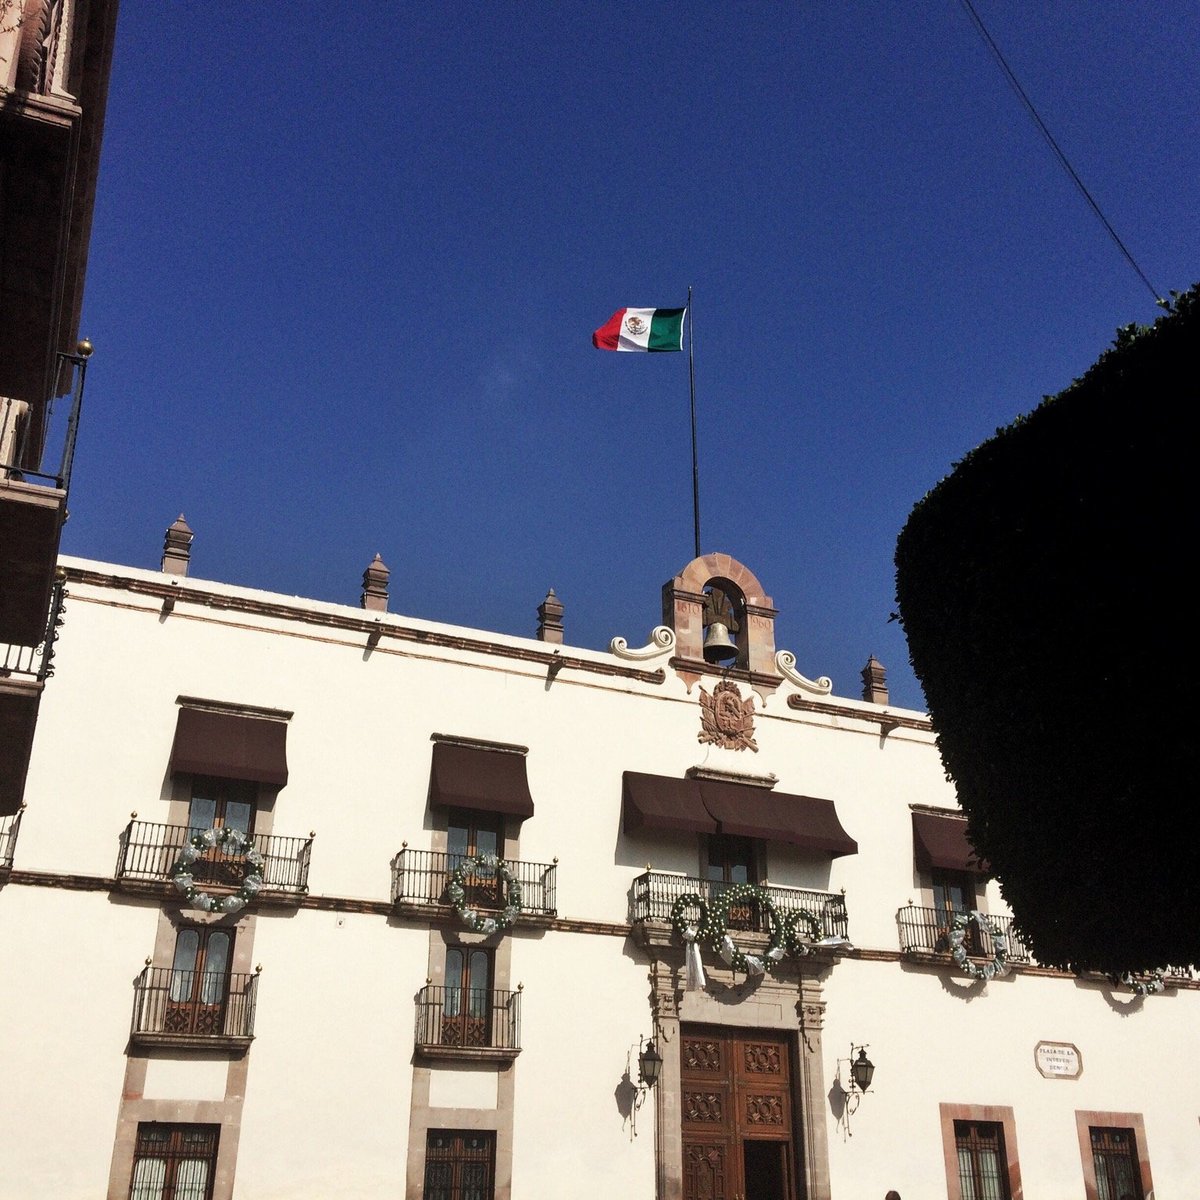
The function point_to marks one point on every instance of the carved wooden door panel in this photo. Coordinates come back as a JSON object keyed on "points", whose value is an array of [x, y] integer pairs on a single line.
{"points": [[736, 1115]]}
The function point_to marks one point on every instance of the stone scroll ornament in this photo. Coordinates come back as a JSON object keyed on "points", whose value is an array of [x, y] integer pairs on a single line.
{"points": [[957, 935], [487, 866], [711, 927], [229, 841]]}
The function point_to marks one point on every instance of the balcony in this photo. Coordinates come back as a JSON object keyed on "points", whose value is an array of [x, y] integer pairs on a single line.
{"points": [[24, 670], [36, 454], [10, 826], [193, 1009], [654, 892], [468, 1023], [419, 879], [925, 931], [54, 68], [149, 851]]}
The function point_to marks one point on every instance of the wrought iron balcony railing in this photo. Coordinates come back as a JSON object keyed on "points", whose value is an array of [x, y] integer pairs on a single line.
{"points": [[421, 876], [35, 664], [193, 1005], [654, 892], [9, 828], [42, 452], [927, 930], [456, 1018], [148, 852]]}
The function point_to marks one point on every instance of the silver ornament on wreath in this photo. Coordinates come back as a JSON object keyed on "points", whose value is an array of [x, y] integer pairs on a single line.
{"points": [[956, 936], [1140, 987], [488, 866], [710, 927], [229, 841], [724, 946]]}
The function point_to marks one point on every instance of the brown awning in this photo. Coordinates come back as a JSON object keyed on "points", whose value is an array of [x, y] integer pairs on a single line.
{"points": [[777, 817], [941, 842], [488, 780], [710, 806], [230, 746], [660, 802]]}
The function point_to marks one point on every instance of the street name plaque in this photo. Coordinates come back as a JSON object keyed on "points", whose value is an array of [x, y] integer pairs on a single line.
{"points": [[1058, 1060]]}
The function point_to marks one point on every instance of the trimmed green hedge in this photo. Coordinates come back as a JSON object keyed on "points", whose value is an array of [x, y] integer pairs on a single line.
{"points": [[1045, 588]]}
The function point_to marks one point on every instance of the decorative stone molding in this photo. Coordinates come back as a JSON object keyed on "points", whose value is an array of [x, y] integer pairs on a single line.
{"points": [[662, 642], [217, 599], [773, 1003], [887, 721], [717, 775], [785, 663]]}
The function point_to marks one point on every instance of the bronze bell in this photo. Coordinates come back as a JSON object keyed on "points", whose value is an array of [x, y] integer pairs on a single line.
{"points": [[718, 645]]}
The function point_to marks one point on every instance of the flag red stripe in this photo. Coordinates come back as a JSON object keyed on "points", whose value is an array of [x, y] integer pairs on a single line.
{"points": [[609, 334]]}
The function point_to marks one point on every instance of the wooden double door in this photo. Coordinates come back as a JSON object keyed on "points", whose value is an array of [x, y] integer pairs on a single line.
{"points": [[736, 1114]]}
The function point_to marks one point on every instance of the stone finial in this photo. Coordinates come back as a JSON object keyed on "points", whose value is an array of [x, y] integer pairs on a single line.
{"points": [[177, 547], [550, 619], [375, 586], [874, 679]]}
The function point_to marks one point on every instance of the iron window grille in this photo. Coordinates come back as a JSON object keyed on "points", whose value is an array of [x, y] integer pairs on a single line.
{"points": [[1116, 1163], [174, 1162], [460, 1164], [982, 1163]]}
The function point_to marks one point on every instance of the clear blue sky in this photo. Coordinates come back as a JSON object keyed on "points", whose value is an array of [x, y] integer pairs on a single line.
{"points": [[347, 260]]}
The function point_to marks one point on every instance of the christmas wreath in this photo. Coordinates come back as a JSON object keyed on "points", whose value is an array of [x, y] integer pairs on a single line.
{"points": [[958, 951], [486, 865], [229, 841], [696, 921], [1140, 987]]}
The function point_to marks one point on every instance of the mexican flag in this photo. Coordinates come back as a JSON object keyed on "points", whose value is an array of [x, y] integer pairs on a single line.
{"points": [[641, 329]]}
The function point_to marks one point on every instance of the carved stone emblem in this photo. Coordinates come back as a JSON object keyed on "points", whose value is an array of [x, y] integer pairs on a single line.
{"points": [[727, 719]]}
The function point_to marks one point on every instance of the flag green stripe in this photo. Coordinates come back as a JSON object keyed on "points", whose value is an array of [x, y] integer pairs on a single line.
{"points": [[666, 329]]}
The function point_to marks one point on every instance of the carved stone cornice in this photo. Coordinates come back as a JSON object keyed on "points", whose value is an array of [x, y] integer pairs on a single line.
{"points": [[887, 721], [381, 632]]}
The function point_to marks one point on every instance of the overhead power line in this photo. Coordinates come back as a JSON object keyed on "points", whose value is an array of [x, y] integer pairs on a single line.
{"points": [[990, 42]]}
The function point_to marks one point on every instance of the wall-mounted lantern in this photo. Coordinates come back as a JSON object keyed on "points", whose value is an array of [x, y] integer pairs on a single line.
{"points": [[649, 1064], [862, 1069]]}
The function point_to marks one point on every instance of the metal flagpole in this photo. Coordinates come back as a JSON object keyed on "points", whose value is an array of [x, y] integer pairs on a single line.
{"points": [[692, 381]]}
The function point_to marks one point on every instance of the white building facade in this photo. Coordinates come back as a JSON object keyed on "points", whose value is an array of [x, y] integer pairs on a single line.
{"points": [[377, 1010]]}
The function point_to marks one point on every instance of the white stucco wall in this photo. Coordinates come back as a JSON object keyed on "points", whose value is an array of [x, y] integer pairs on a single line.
{"points": [[330, 1073]]}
